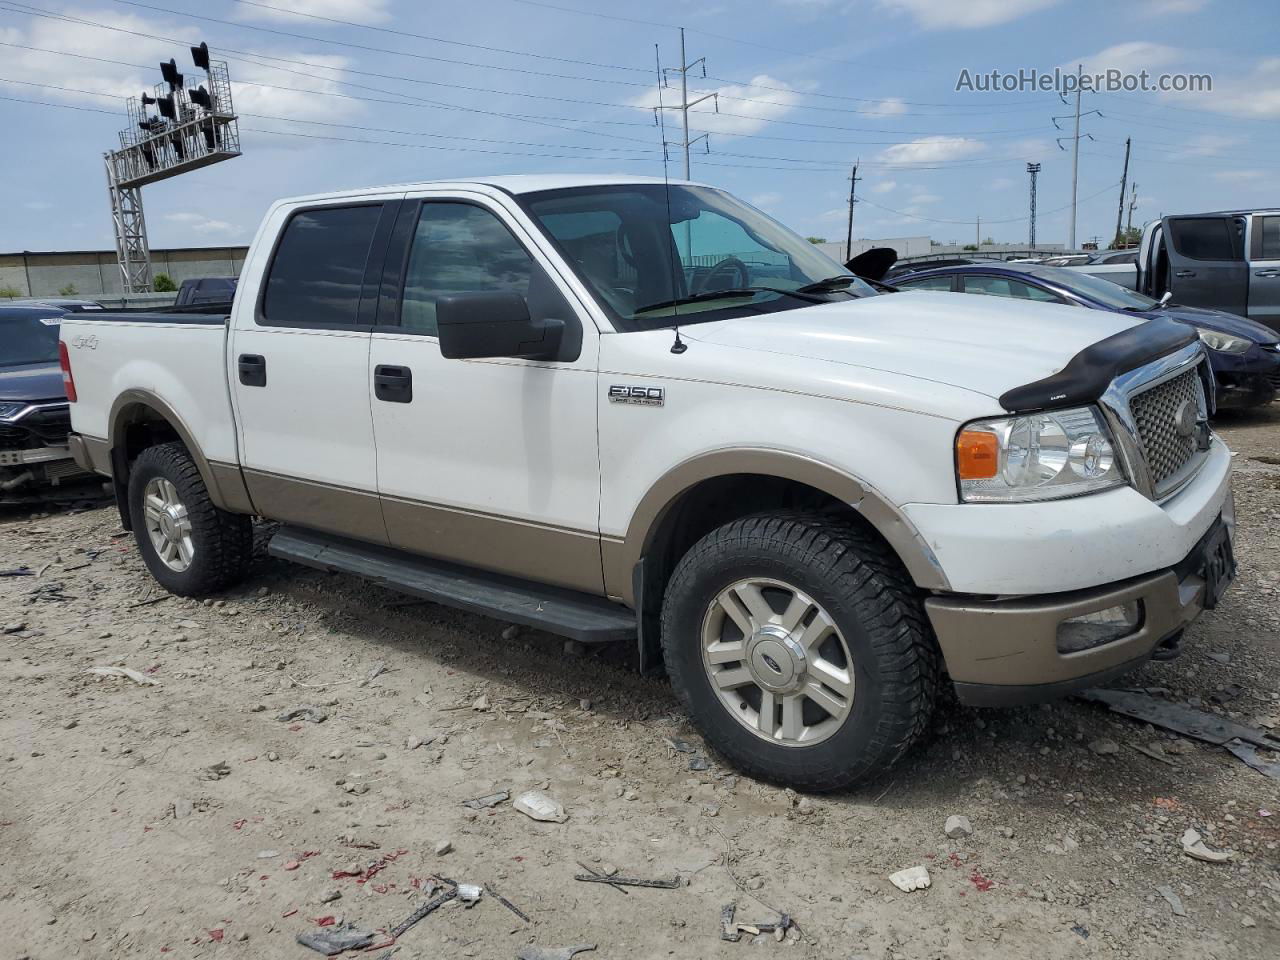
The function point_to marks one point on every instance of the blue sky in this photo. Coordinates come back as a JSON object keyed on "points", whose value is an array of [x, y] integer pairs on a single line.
{"points": [[449, 89]]}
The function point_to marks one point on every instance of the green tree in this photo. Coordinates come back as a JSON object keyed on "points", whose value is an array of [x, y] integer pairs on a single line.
{"points": [[1128, 237], [970, 246], [816, 239], [163, 283], [68, 291], [10, 292]]}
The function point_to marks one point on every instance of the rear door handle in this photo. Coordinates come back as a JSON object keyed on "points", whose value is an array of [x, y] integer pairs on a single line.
{"points": [[393, 384], [253, 369], [1185, 273], [1270, 274]]}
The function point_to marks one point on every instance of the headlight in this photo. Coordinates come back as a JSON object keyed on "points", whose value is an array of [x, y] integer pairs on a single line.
{"points": [[1223, 342], [1038, 456], [9, 407]]}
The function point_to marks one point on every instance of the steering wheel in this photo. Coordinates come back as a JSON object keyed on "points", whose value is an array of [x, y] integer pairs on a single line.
{"points": [[724, 267]]}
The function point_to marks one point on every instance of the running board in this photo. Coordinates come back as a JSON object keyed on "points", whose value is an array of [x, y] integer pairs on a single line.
{"points": [[567, 613]]}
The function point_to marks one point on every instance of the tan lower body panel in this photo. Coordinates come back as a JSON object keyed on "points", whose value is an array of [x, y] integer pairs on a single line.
{"points": [[90, 453], [552, 555], [230, 492], [1015, 642]]}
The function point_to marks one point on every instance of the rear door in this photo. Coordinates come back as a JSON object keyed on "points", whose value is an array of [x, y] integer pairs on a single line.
{"points": [[1264, 270], [1206, 262], [299, 367]]}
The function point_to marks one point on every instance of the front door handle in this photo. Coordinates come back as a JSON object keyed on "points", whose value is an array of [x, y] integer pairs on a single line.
{"points": [[1270, 274], [393, 384], [253, 369], [1185, 273]]}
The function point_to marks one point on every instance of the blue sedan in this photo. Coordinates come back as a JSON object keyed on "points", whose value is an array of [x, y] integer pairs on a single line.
{"points": [[1244, 355]]}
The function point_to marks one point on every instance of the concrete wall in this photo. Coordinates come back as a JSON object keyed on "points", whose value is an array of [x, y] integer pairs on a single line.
{"points": [[95, 273]]}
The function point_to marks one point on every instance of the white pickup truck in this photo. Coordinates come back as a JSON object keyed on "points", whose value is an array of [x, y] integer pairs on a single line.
{"points": [[617, 408]]}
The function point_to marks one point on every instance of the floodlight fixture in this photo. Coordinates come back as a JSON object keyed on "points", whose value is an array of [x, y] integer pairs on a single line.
{"points": [[200, 97], [200, 56], [169, 70]]}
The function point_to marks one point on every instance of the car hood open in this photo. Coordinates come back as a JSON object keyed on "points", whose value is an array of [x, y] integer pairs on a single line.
{"points": [[985, 344]]}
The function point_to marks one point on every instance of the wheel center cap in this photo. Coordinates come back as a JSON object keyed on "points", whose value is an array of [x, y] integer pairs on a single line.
{"points": [[169, 524], [776, 661]]}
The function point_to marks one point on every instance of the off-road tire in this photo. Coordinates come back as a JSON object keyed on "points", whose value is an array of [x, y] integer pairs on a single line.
{"points": [[865, 589], [223, 541]]}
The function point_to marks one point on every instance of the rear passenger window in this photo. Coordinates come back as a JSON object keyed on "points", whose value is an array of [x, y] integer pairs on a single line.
{"points": [[991, 286], [1269, 233], [928, 283], [459, 248], [316, 276], [1203, 238]]}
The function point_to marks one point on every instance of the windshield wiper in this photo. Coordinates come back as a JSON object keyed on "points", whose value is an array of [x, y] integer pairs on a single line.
{"points": [[830, 283], [734, 293]]}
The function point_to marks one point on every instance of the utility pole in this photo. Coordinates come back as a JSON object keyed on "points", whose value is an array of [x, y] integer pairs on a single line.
{"points": [[1124, 180], [977, 233], [685, 103], [1133, 203], [1075, 150], [848, 239], [1034, 170]]}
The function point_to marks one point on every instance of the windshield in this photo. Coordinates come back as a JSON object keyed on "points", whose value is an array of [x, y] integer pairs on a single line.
{"points": [[1095, 288], [698, 254], [29, 336]]}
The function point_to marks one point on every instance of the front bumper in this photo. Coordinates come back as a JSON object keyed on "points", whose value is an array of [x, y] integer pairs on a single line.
{"points": [[1246, 380], [1002, 653]]}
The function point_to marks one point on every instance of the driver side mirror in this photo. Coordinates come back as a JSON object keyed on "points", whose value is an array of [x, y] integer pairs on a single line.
{"points": [[477, 325]]}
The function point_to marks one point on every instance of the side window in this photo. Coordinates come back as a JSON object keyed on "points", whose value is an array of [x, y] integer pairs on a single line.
{"points": [[991, 286], [316, 274], [1203, 238], [1026, 291], [459, 248], [707, 241], [927, 283], [1268, 231]]}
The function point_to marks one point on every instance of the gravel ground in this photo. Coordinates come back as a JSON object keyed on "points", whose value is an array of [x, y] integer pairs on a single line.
{"points": [[183, 818]]}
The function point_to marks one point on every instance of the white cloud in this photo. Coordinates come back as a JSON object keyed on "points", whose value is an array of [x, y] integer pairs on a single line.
{"points": [[1159, 8], [766, 200], [1001, 183], [965, 14], [937, 149], [883, 186], [1129, 57], [357, 11], [923, 199], [1240, 176], [199, 223], [892, 107], [1254, 94], [123, 82], [1206, 145], [762, 100]]}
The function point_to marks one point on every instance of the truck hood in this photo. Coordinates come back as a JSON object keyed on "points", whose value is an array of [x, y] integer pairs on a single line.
{"points": [[985, 344], [31, 381]]}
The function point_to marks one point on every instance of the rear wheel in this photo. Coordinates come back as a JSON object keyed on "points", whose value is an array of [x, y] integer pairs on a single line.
{"points": [[190, 546], [799, 646]]}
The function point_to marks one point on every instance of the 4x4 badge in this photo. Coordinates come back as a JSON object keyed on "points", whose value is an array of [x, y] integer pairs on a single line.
{"points": [[645, 396]]}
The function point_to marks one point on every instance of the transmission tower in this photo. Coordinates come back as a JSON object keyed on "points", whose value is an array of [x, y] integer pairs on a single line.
{"points": [[194, 128], [1075, 150], [685, 103], [1034, 170]]}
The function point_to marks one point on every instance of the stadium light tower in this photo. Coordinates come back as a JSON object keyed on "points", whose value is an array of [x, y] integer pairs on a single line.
{"points": [[194, 129]]}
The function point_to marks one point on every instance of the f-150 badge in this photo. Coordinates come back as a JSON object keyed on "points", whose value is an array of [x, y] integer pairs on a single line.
{"points": [[645, 396]]}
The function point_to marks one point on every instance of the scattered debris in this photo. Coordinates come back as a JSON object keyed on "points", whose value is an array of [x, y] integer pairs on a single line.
{"points": [[507, 903], [958, 827], [678, 745], [1249, 754], [1104, 747], [699, 763], [732, 931], [18, 572], [729, 929], [308, 713], [378, 670], [1148, 752], [332, 940], [470, 893], [215, 771], [16, 627], [912, 878], [614, 880], [1175, 902], [553, 953], [1185, 720], [481, 703], [134, 675], [423, 911], [538, 806], [444, 847], [1193, 846], [329, 896], [488, 801]]}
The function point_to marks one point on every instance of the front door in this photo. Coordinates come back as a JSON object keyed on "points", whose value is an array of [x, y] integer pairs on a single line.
{"points": [[490, 463], [299, 369], [1206, 262]]}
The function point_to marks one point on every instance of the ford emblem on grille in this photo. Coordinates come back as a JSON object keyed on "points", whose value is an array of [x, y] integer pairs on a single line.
{"points": [[1184, 420]]}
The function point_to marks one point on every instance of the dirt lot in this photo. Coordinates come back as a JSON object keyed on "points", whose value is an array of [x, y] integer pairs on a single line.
{"points": [[117, 838]]}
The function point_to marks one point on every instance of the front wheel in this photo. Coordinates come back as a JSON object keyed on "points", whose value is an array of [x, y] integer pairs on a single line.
{"points": [[800, 649], [190, 546]]}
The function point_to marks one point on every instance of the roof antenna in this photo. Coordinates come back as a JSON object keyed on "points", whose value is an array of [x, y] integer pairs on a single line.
{"points": [[679, 346]]}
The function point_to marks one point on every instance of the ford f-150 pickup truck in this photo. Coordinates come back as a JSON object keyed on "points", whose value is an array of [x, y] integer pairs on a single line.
{"points": [[619, 409]]}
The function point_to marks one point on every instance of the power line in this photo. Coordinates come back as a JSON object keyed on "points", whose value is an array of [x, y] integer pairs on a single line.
{"points": [[913, 216]]}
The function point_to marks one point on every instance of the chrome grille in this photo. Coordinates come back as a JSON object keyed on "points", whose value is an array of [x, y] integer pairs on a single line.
{"points": [[1155, 414]]}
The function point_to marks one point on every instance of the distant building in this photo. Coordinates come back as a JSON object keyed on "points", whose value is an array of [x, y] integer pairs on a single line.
{"points": [[95, 273]]}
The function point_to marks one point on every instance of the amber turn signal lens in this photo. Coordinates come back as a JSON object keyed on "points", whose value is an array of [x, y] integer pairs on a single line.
{"points": [[977, 455]]}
